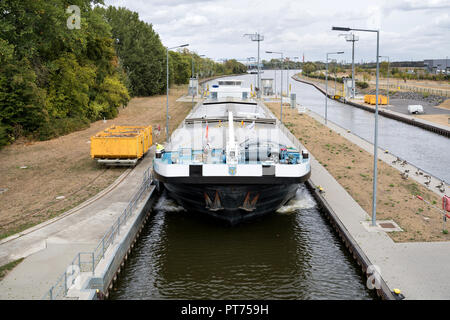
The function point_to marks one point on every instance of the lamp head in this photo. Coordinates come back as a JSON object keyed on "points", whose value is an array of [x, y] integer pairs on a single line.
{"points": [[340, 29]]}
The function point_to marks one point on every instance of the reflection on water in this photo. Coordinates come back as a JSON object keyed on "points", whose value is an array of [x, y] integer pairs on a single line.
{"points": [[290, 254]]}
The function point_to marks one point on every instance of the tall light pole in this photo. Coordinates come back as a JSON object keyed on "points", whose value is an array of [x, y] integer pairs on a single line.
{"points": [[193, 69], [287, 74], [257, 37], [375, 146], [249, 59], [281, 84], [352, 38], [167, 89], [388, 77], [326, 85]]}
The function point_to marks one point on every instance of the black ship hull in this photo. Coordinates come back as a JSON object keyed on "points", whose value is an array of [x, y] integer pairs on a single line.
{"points": [[232, 203]]}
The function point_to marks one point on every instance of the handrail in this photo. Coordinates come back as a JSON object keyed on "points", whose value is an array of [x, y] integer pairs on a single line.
{"points": [[87, 261]]}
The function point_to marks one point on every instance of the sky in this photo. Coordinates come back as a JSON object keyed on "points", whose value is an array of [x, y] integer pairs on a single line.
{"points": [[409, 29]]}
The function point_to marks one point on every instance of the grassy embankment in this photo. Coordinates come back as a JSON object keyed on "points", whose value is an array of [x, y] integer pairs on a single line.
{"points": [[352, 167], [8, 267], [63, 167]]}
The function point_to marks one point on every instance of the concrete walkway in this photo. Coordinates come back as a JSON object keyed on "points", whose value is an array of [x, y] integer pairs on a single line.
{"points": [[50, 247], [420, 270]]}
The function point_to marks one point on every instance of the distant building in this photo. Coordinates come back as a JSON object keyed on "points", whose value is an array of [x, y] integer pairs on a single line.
{"points": [[437, 65]]}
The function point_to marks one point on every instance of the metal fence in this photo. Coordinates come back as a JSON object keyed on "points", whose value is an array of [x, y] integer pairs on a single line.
{"points": [[87, 261], [434, 91]]}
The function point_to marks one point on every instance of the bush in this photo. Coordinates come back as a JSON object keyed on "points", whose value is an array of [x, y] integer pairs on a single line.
{"points": [[362, 84], [4, 136], [59, 127]]}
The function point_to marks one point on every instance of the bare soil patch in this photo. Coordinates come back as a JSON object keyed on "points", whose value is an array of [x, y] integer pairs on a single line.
{"points": [[352, 167], [445, 104], [442, 119], [63, 166]]}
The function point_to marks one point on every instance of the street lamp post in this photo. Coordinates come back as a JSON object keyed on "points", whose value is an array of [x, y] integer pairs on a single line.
{"points": [[193, 69], [257, 37], [281, 84], [167, 89], [249, 59], [287, 74], [375, 146], [387, 78], [326, 85]]}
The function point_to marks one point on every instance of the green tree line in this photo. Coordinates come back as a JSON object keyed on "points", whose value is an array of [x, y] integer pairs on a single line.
{"points": [[55, 79]]}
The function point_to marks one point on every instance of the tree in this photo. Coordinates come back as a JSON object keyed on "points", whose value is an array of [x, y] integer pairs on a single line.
{"points": [[140, 51], [55, 80]]}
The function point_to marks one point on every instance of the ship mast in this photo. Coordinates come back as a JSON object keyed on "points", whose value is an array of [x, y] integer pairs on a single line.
{"points": [[232, 150]]}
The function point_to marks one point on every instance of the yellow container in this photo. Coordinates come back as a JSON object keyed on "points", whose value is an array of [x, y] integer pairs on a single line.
{"points": [[121, 142], [367, 98], [381, 100], [145, 130]]}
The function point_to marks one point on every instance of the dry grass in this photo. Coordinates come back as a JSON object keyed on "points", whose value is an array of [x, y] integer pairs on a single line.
{"points": [[445, 104], [63, 167], [352, 167], [442, 119]]}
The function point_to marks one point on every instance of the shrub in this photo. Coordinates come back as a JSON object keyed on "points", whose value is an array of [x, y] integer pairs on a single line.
{"points": [[362, 84]]}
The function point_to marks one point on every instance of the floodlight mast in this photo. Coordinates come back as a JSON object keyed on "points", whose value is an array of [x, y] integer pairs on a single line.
{"points": [[352, 38], [167, 87], [257, 37]]}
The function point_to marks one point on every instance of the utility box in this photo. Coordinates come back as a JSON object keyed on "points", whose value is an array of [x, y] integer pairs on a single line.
{"points": [[347, 87], [193, 87], [293, 100], [267, 86]]}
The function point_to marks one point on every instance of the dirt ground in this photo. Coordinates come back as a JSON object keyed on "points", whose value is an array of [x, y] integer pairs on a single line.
{"points": [[445, 104], [437, 118], [63, 167], [352, 167]]}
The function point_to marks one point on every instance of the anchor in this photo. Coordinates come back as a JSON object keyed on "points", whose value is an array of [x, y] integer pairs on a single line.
{"points": [[249, 205], [213, 206]]}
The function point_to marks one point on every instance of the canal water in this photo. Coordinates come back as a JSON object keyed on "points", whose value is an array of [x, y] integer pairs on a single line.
{"points": [[289, 254], [424, 149]]}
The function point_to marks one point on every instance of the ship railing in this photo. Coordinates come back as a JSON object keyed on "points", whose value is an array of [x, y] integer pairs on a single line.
{"points": [[85, 262]]}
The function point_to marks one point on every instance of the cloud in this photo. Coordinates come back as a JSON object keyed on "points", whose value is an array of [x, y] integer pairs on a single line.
{"points": [[413, 5], [408, 28]]}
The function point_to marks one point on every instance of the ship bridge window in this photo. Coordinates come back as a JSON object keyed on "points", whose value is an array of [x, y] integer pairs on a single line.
{"points": [[230, 83]]}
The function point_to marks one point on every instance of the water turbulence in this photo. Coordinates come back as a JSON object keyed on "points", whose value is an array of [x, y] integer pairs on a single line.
{"points": [[279, 256], [302, 200]]}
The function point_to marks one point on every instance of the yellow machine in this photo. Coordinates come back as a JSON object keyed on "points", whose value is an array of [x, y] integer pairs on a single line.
{"points": [[121, 145]]}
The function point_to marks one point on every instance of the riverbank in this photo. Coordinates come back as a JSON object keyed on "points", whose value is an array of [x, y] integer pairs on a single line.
{"points": [[352, 166], [34, 174]]}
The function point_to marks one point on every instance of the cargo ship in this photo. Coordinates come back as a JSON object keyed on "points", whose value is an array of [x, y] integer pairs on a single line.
{"points": [[230, 159]]}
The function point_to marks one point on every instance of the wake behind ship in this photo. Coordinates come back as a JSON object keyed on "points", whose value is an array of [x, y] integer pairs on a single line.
{"points": [[230, 159]]}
